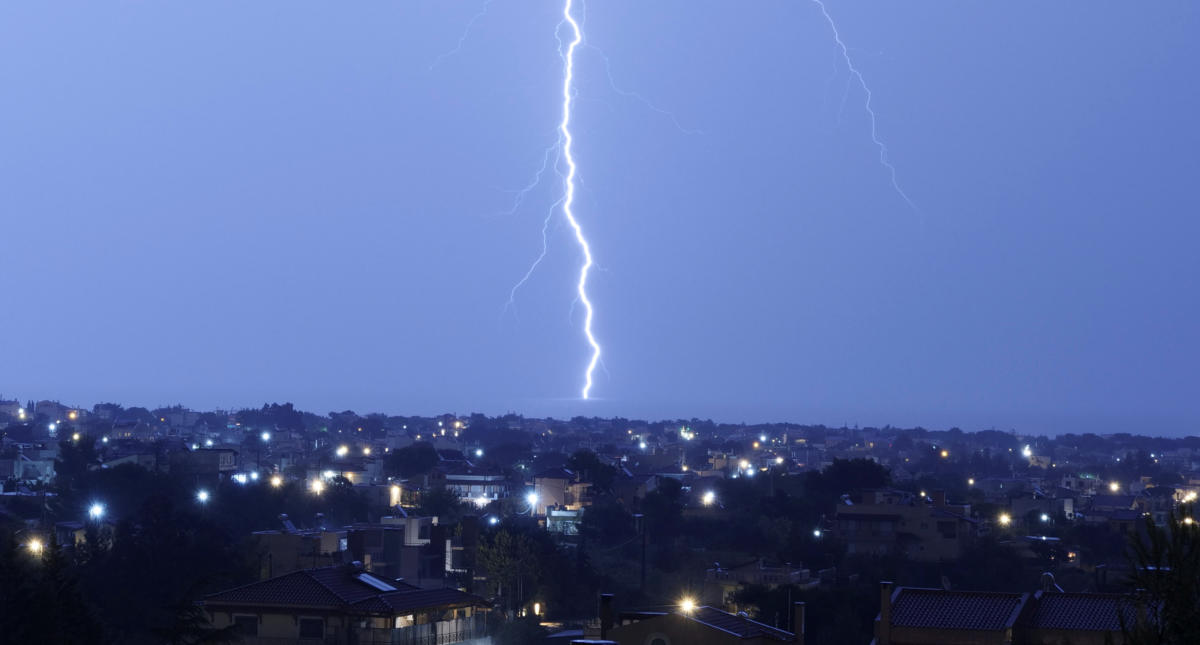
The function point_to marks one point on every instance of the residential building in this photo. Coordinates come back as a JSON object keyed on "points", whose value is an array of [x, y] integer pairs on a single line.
{"points": [[896, 522], [345, 605]]}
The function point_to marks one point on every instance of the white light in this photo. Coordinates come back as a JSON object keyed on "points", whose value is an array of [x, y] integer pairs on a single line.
{"points": [[1114, 487], [479, 452], [329, 474], [317, 486], [276, 481], [708, 498], [202, 496], [564, 128], [1005, 519], [687, 605], [342, 451], [532, 498], [817, 533], [1045, 517], [778, 460], [366, 450], [96, 511], [35, 546], [493, 520], [266, 436], [195, 446], [482, 501], [53, 427], [254, 475], [762, 438], [208, 443], [104, 439], [642, 445], [743, 464], [1027, 451], [240, 478]]}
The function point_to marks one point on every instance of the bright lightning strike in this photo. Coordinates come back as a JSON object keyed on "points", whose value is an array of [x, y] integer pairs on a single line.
{"points": [[564, 129], [883, 151]]}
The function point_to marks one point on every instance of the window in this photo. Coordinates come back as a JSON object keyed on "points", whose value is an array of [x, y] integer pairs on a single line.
{"points": [[246, 625], [404, 621], [312, 628]]}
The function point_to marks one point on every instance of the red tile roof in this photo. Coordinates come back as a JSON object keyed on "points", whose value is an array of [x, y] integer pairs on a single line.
{"points": [[1079, 611], [940, 609], [737, 624], [340, 588]]}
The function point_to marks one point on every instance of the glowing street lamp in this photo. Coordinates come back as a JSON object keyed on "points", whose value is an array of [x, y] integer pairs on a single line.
{"points": [[708, 498], [1114, 487], [317, 487], [276, 481], [1005, 519], [479, 452], [366, 450], [1045, 517], [532, 498], [342, 451], [945, 454], [265, 436], [687, 605], [202, 496], [96, 511], [35, 546]]}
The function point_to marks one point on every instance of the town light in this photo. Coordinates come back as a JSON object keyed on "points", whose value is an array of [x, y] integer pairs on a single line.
{"points": [[35, 546], [945, 454], [254, 475], [532, 498], [342, 451], [96, 511], [642, 445], [778, 461], [366, 450], [743, 464], [1189, 521], [276, 481], [21, 415], [104, 439], [239, 478], [687, 605], [970, 481], [1005, 519], [75, 437], [482, 501], [202, 496], [708, 498], [317, 486], [493, 520], [266, 436], [395, 491], [479, 452], [208, 443], [72, 415], [762, 438], [1114, 487], [328, 474], [817, 533], [53, 427], [1027, 451], [1045, 517]]}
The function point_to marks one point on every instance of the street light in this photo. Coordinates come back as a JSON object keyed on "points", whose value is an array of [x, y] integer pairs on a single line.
{"points": [[266, 436], [202, 496], [687, 605], [35, 546], [532, 498], [1005, 519], [317, 487], [817, 533], [276, 481], [342, 451], [1045, 517], [96, 511], [479, 452], [1114, 487], [708, 498]]}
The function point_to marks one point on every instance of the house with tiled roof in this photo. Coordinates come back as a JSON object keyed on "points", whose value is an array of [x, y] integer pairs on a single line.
{"points": [[692, 626], [918, 616], [921, 528], [345, 604]]}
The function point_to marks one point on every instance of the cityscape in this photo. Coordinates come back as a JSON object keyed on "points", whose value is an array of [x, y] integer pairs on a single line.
{"points": [[275, 525], [569, 322]]}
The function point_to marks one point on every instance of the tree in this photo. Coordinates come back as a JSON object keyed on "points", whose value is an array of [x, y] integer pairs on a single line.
{"points": [[417, 459], [1165, 565], [510, 561]]}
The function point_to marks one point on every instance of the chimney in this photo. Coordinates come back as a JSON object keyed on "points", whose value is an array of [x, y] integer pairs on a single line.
{"points": [[606, 614], [939, 498], [798, 623], [883, 628]]}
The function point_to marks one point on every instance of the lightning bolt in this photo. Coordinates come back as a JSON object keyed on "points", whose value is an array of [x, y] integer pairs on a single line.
{"points": [[883, 151], [564, 128], [463, 38]]}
